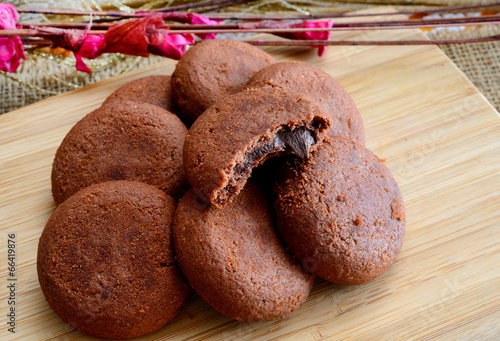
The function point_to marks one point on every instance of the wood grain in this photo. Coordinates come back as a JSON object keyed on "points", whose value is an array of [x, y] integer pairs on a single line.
{"points": [[441, 140]]}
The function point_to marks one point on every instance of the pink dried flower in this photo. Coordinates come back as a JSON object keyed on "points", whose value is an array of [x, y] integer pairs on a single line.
{"points": [[8, 17], [11, 48], [78, 41], [169, 45], [89, 49], [314, 35], [193, 19], [11, 51]]}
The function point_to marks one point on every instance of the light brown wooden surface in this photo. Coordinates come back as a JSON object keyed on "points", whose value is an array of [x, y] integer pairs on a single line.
{"points": [[441, 140]]}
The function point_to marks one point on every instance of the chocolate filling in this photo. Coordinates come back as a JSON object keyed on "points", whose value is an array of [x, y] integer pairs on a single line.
{"points": [[299, 141]]}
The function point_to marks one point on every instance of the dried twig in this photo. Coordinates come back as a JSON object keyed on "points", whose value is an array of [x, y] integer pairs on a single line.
{"points": [[247, 16], [361, 25], [373, 42]]}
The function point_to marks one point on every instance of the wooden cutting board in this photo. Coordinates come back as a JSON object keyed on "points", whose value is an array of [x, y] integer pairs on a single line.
{"points": [[441, 140]]}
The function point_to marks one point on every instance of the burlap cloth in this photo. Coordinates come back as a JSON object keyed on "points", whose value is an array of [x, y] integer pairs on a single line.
{"points": [[480, 62], [44, 75]]}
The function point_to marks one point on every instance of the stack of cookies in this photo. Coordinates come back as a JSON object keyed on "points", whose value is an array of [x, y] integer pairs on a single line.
{"points": [[148, 209]]}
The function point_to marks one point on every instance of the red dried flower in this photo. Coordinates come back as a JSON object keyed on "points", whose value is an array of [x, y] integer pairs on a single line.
{"points": [[137, 37], [141, 36]]}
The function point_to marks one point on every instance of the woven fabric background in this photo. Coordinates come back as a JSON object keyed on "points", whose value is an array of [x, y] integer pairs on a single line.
{"points": [[480, 62], [45, 75], [42, 77]]}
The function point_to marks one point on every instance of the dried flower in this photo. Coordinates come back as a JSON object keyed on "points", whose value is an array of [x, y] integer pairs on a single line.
{"points": [[315, 35], [148, 34], [187, 18], [78, 41], [311, 35], [128, 37], [193, 19], [169, 45], [70, 39], [137, 37], [11, 48], [89, 49]]}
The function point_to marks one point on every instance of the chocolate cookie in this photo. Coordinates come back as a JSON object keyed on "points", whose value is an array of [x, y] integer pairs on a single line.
{"points": [[156, 90], [242, 131], [122, 141], [341, 213], [212, 70], [320, 86], [106, 262], [234, 259]]}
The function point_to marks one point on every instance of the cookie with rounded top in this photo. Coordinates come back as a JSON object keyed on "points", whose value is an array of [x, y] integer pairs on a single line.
{"points": [[156, 90], [106, 262], [320, 86], [121, 141], [234, 259], [212, 70], [341, 212]]}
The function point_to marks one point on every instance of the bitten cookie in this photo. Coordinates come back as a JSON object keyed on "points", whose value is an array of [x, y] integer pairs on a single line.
{"points": [[242, 131], [156, 90], [340, 212], [320, 86], [212, 70], [234, 259], [122, 141], [106, 262]]}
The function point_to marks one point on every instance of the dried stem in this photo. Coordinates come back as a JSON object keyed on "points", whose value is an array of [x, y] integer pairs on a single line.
{"points": [[362, 25], [40, 43], [101, 28], [233, 3], [217, 4], [344, 15], [373, 42], [234, 28], [246, 16]]}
